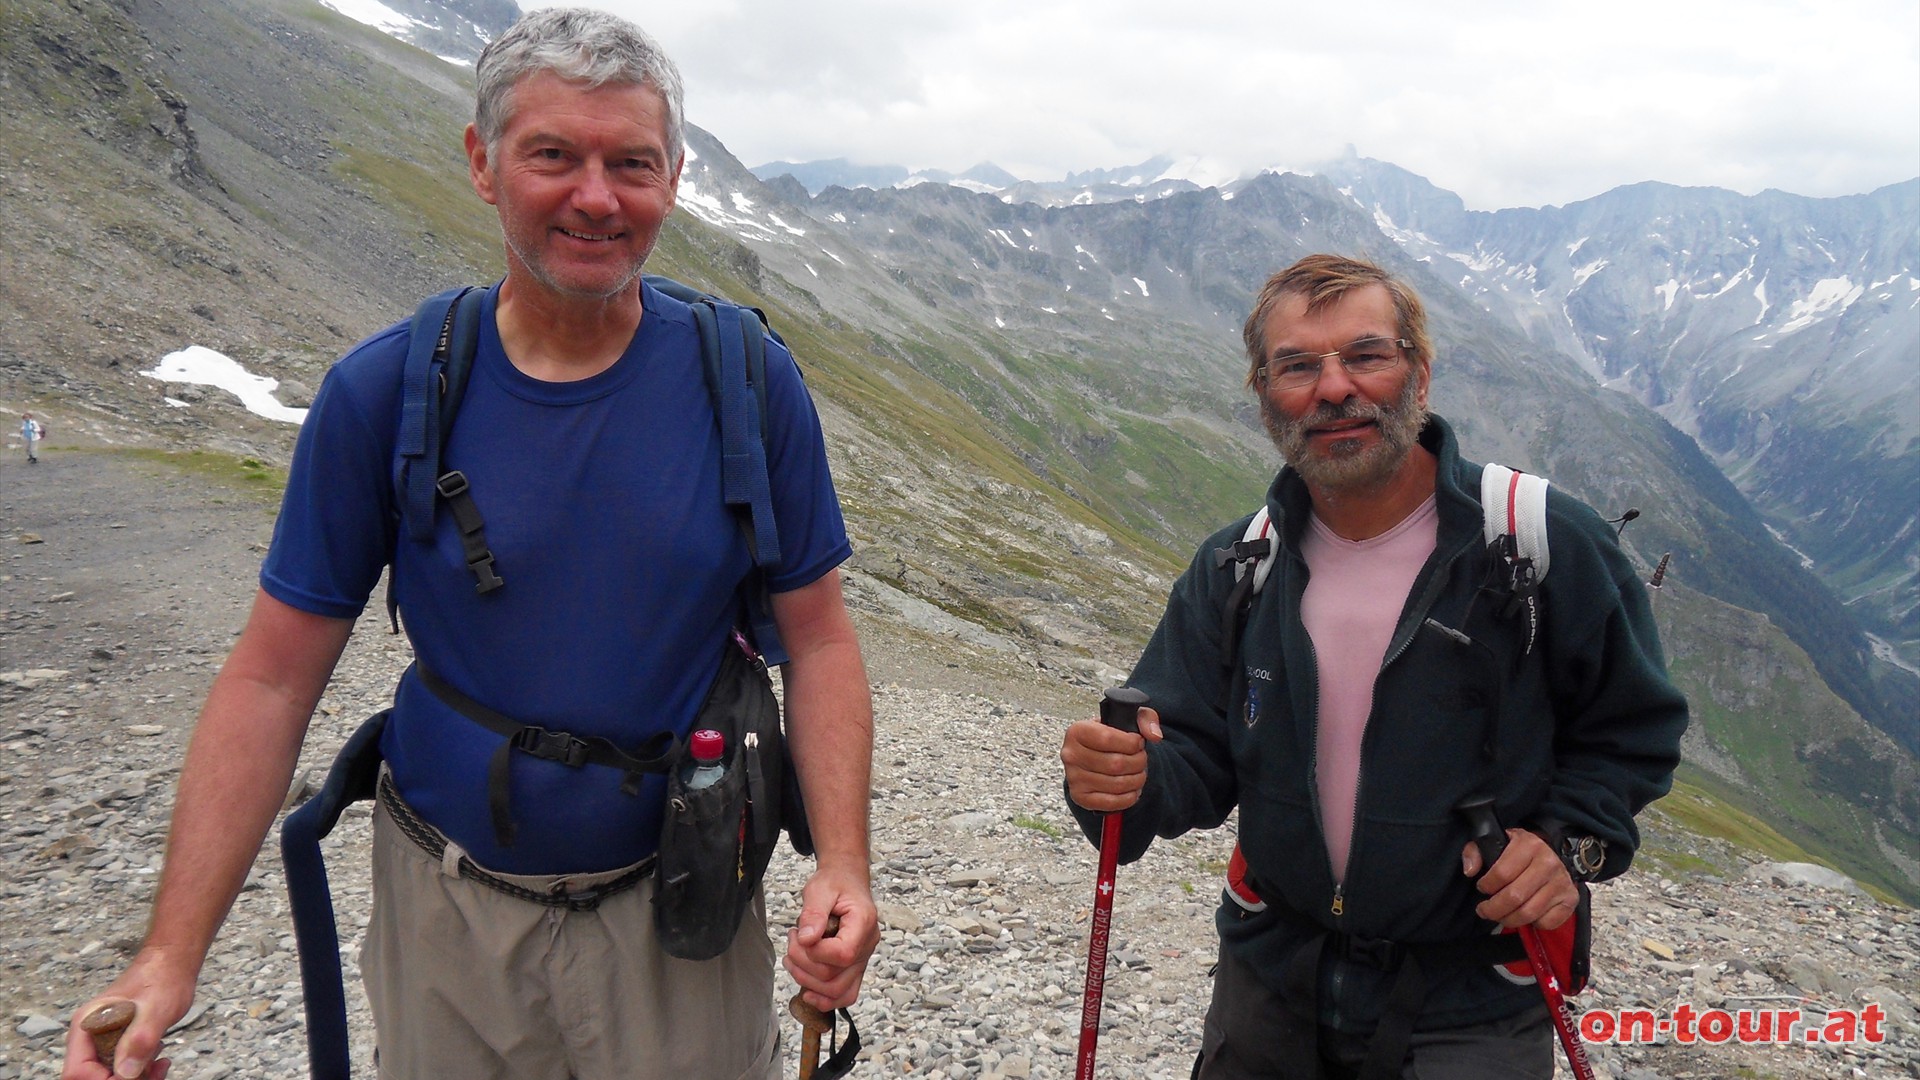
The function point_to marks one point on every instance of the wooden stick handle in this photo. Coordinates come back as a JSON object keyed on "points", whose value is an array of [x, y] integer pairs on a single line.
{"points": [[104, 1025], [812, 1021]]}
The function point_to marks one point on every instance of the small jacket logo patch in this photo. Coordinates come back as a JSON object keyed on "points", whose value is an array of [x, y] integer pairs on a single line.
{"points": [[1255, 676]]}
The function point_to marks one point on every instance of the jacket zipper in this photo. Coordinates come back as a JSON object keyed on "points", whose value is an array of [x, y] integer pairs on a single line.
{"points": [[1432, 593], [1313, 770]]}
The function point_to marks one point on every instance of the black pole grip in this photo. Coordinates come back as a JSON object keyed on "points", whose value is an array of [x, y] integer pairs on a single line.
{"points": [[1120, 708], [1488, 836]]}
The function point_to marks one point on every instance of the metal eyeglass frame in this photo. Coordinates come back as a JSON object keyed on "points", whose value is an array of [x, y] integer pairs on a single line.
{"points": [[1266, 377]]}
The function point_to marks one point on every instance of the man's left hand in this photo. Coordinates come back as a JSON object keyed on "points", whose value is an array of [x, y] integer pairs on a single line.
{"points": [[829, 969], [1528, 885]]}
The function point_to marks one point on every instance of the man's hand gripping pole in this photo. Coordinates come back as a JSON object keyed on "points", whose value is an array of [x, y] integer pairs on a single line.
{"points": [[104, 1026], [1120, 708], [1491, 839], [813, 1022]]}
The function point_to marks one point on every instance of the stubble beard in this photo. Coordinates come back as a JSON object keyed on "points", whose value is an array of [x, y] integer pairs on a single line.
{"points": [[537, 268], [1349, 465]]}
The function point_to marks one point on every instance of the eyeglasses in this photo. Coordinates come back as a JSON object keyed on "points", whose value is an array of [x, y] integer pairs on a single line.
{"points": [[1364, 357]]}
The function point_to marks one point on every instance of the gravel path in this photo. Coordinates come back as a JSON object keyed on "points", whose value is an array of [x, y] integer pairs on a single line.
{"points": [[122, 583]]}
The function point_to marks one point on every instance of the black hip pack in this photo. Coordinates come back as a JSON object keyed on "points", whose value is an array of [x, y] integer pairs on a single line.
{"points": [[715, 841]]}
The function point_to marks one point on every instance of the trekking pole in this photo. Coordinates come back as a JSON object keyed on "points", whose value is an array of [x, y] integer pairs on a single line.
{"points": [[1658, 579], [104, 1026], [813, 1022], [1119, 708], [1491, 839], [842, 1056]]}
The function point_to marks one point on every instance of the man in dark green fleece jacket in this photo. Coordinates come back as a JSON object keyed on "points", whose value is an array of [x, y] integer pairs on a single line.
{"points": [[1388, 668]]}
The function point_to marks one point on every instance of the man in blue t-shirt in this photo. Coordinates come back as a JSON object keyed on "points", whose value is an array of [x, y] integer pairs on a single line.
{"points": [[622, 567]]}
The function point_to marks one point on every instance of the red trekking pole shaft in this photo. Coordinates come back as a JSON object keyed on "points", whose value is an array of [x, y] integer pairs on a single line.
{"points": [[1120, 708], [1491, 839]]}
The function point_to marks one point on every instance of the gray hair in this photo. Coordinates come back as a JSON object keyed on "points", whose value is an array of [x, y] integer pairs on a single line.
{"points": [[579, 45]]}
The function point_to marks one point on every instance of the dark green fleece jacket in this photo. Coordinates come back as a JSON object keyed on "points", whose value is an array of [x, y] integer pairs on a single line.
{"points": [[1583, 729]]}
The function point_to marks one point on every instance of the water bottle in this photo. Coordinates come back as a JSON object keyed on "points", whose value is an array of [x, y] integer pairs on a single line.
{"points": [[707, 765]]}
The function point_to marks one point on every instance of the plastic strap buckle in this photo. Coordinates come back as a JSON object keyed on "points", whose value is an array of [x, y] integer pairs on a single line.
{"points": [[482, 566], [452, 483], [547, 745], [1242, 551]]}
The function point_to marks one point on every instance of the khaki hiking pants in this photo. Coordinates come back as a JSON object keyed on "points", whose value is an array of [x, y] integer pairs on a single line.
{"points": [[469, 982]]}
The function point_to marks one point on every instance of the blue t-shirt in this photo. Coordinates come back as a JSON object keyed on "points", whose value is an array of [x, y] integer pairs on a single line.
{"points": [[620, 560]]}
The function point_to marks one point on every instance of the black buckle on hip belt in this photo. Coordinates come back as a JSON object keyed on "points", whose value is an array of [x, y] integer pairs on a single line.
{"points": [[655, 755], [551, 746]]}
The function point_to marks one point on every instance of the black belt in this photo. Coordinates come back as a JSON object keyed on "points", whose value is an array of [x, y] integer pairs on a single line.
{"points": [[431, 841]]}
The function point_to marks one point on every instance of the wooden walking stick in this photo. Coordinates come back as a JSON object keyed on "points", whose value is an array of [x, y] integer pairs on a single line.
{"points": [[105, 1025], [813, 1022]]}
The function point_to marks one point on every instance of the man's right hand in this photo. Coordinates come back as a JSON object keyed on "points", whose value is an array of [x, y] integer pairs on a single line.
{"points": [[160, 1000], [1107, 767]]}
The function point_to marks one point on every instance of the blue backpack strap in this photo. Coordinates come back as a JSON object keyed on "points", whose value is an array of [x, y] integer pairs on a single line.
{"points": [[350, 780], [733, 357], [429, 342], [758, 489], [463, 341], [441, 343], [743, 448]]}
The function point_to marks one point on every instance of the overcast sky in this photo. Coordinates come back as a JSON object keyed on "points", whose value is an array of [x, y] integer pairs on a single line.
{"points": [[1507, 102]]}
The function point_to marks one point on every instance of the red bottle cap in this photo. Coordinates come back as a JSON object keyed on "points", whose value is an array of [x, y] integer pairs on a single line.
{"points": [[708, 745]]}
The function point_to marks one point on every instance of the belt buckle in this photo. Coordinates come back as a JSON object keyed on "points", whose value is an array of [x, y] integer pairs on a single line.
{"points": [[584, 900]]}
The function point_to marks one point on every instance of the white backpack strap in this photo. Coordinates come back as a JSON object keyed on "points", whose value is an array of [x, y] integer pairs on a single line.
{"points": [[1259, 532], [1516, 502], [1260, 526]]}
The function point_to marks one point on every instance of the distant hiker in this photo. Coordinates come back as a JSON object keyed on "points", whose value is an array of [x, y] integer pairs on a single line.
{"points": [[31, 432], [530, 950], [1393, 664]]}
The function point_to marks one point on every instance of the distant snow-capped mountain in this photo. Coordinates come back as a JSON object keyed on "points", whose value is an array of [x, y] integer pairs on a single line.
{"points": [[818, 176], [1201, 172], [1155, 178]]}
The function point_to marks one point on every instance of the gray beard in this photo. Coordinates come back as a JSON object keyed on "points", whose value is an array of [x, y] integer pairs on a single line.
{"points": [[1348, 467], [539, 272]]}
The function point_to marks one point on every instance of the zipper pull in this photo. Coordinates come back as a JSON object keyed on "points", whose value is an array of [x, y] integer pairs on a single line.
{"points": [[1339, 900]]}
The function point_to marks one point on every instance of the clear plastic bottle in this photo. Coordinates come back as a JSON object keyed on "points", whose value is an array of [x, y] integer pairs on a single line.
{"points": [[707, 764]]}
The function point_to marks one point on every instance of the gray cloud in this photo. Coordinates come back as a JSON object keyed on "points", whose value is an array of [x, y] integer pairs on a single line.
{"points": [[1506, 103]]}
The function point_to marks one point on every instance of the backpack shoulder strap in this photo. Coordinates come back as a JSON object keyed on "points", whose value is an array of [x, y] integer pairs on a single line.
{"points": [[1260, 528], [1252, 559], [1513, 503], [433, 380], [734, 362], [444, 335], [1513, 512]]}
